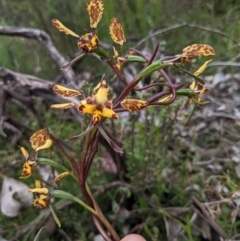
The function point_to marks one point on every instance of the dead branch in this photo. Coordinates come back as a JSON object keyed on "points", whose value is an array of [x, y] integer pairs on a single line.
{"points": [[23, 87], [44, 39], [15, 78]]}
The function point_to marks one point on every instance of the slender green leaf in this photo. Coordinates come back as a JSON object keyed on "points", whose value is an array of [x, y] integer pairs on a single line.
{"points": [[151, 68], [134, 58], [55, 216], [46, 161], [38, 234], [69, 196]]}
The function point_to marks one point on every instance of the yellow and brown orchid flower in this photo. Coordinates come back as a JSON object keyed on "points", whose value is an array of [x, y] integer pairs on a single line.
{"points": [[118, 58], [40, 140], [65, 92], [41, 193], [194, 51], [118, 36], [190, 52], [98, 104], [88, 41], [28, 165], [196, 87]]}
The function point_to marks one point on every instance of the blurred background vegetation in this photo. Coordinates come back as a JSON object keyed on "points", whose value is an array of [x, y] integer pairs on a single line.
{"points": [[147, 190]]}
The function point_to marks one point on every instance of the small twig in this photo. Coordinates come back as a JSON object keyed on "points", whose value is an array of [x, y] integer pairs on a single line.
{"points": [[190, 25], [224, 63], [201, 210], [110, 185], [213, 160]]}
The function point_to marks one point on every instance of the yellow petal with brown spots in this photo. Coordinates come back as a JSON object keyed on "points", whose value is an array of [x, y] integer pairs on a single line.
{"points": [[61, 28], [95, 10], [198, 50], [116, 31], [65, 92], [133, 104]]}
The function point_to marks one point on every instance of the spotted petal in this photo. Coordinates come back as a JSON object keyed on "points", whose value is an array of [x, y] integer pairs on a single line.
{"points": [[65, 92], [133, 104], [196, 50], [61, 28], [95, 11], [116, 31]]}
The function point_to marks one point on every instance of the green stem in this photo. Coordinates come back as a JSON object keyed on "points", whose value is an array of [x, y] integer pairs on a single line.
{"points": [[144, 73], [102, 217]]}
